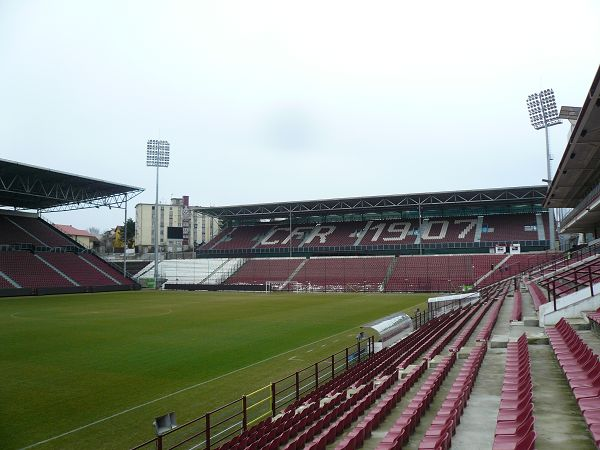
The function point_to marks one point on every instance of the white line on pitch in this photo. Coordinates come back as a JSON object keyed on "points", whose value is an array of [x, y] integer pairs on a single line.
{"points": [[104, 419]]}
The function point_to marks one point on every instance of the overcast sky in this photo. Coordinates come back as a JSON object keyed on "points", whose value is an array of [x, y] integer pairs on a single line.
{"points": [[266, 101]]}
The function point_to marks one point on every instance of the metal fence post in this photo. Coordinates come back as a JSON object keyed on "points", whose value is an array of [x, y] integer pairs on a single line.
{"points": [[554, 293], [591, 281], [346, 358], [207, 436], [297, 386], [273, 400], [332, 367], [245, 413], [159, 445], [358, 350]]}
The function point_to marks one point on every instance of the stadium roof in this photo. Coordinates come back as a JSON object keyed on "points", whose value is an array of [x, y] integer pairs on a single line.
{"points": [[23, 186], [579, 170], [376, 204]]}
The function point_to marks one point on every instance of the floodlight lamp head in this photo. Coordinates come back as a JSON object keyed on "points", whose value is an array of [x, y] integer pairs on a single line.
{"points": [[157, 153]]}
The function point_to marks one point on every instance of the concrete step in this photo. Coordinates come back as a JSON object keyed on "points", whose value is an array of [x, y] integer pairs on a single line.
{"points": [[591, 339], [579, 323], [559, 423], [478, 422]]}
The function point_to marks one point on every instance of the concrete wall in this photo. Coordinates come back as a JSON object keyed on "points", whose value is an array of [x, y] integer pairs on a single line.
{"points": [[570, 306]]}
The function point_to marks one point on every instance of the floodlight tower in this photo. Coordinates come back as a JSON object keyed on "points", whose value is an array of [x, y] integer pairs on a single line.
{"points": [[544, 114], [157, 155]]}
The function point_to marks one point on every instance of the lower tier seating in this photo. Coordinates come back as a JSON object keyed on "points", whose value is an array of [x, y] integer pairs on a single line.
{"points": [[582, 369], [514, 427]]}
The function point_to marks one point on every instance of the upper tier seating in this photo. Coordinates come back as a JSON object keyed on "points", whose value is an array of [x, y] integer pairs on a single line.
{"points": [[42, 231], [50, 269], [503, 229]]}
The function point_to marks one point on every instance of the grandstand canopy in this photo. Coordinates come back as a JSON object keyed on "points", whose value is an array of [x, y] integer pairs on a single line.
{"points": [[23, 186], [579, 170], [530, 195], [577, 179]]}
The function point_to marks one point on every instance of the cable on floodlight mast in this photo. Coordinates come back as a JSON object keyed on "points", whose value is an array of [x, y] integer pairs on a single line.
{"points": [[543, 113], [157, 155]]}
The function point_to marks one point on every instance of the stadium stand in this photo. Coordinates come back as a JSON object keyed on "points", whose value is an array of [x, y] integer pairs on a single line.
{"points": [[35, 255], [460, 230]]}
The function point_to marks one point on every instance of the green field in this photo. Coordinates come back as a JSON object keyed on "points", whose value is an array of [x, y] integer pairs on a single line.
{"points": [[71, 362]]}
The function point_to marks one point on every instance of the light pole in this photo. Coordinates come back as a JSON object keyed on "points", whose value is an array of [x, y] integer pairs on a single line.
{"points": [[157, 155], [543, 114]]}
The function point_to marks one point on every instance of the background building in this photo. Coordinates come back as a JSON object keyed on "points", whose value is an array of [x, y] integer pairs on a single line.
{"points": [[83, 237], [180, 227]]}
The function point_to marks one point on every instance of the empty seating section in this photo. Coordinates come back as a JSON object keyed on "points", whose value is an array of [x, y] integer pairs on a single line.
{"points": [[436, 230], [237, 237], [259, 271], [30, 272], [366, 273], [443, 273], [41, 230], [377, 414], [64, 266], [355, 403], [438, 273], [400, 432], [315, 420], [511, 228], [4, 283], [582, 370], [537, 295], [485, 333], [109, 270], [71, 264], [439, 434], [514, 425], [482, 264], [12, 234]]}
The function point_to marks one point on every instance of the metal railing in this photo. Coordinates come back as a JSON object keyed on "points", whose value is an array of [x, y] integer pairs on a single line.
{"points": [[227, 421], [574, 280]]}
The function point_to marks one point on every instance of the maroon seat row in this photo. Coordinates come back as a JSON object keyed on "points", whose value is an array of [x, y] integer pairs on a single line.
{"points": [[382, 364], [295, 428], [537, 295], [439, 434], [377, 414], [486, 331], [336, 428], [400, 432], [464, 335], [460, 325], [582, 369], [514, 426]]}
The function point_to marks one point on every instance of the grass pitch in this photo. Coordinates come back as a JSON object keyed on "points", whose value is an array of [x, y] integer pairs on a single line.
{"points": [[95, 369]]}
